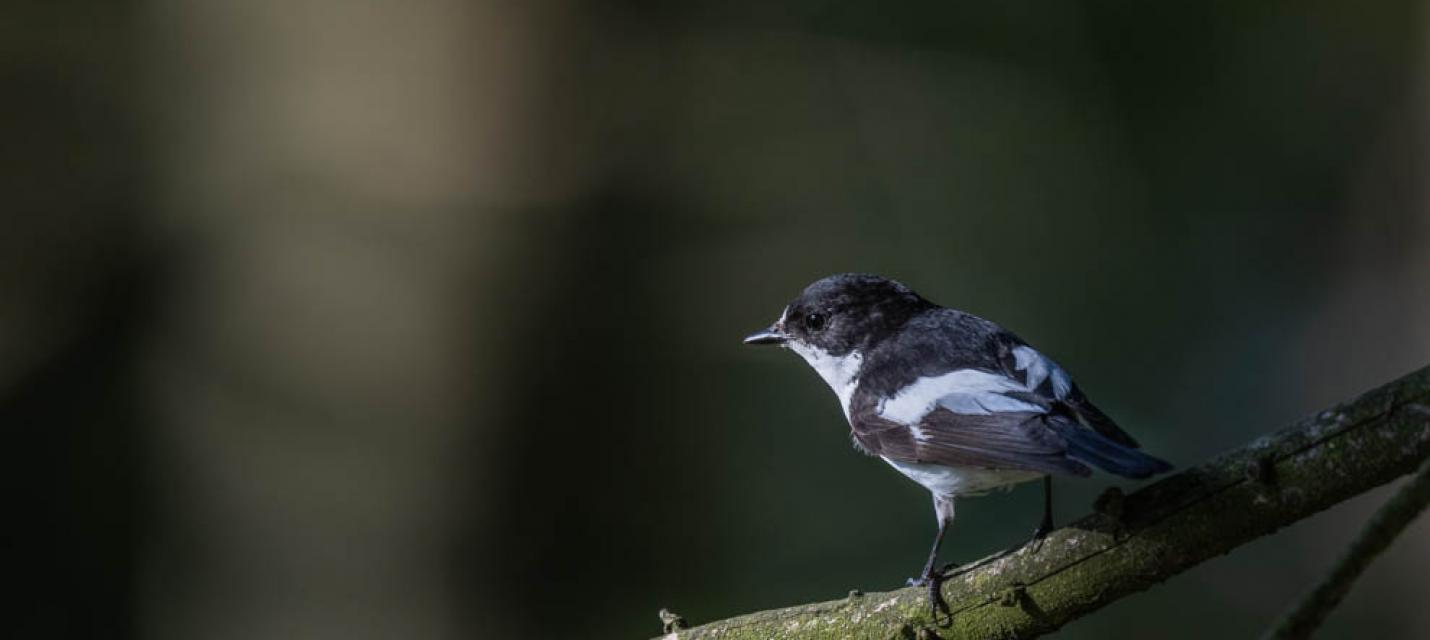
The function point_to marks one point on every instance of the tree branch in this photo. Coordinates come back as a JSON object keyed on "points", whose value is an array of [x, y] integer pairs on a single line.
{"points": [[1136, 541], [1389, 522]]}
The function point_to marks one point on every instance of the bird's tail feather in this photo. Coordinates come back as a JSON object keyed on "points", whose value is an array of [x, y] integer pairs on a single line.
{"points": [[1102, 452]]}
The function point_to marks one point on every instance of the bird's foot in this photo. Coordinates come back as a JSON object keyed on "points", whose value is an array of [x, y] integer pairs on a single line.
{"points": [[1042, 531], [1035, 543], [934, 581]]}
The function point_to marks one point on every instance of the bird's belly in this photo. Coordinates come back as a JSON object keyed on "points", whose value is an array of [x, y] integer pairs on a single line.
{"points": [[960, 481]]}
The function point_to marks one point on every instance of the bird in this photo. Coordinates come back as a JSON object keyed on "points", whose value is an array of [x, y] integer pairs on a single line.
{"points": [[954, 402]]}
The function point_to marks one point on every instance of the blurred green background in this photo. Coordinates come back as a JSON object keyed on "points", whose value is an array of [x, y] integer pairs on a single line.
{"points": [[357, 319]]}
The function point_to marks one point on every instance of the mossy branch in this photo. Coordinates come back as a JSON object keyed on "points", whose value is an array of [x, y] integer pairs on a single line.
{"points": [[1135, 541]]}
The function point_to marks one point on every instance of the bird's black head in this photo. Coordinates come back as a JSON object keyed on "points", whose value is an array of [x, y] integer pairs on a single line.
{"points": [[844, 312]]}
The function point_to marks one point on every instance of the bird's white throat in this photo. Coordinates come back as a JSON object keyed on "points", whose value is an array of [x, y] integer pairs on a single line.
{"points": [[841, 373]]}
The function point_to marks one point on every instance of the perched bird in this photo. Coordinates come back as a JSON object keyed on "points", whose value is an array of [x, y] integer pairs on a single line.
{"points": [[957, 403]]}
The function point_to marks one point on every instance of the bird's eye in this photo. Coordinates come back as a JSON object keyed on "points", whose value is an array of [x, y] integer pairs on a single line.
{"points": [[814, 321]]}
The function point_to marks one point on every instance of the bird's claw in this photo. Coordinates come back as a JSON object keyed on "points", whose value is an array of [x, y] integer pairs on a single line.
{"points": [[1042, 531], [936, 603], [934, 581], [1035, 543]]}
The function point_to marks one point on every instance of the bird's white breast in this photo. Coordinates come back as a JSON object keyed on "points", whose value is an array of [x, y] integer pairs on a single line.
{"points": [[841, 373], [960, 481]]}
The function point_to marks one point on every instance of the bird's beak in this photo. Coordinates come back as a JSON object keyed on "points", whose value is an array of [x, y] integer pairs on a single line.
{"points": [[769, 335]]}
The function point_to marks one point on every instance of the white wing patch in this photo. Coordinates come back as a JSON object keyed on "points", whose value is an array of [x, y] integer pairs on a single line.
{"points": [[964, 391], [1039, 368], [974, 392], [982, 404]]}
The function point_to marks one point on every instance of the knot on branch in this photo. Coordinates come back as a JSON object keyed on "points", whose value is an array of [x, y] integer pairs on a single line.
{"points": [[1013, 596], [1111, 504], [1261, 470], [671, 621]]}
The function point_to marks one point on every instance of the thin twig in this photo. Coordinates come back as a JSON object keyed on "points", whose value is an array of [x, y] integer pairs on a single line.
{"points": [[1384, 527]]}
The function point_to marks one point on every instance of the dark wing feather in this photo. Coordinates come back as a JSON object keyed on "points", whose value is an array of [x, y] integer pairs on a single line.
{"points": [[1011, 441], [1088, 414]]}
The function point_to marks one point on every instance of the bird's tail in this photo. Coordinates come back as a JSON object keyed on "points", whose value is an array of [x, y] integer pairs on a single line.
{"points": [[1091, 447]]}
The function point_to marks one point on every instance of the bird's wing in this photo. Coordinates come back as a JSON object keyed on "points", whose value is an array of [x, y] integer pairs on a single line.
{"points": [[1004, 440], [1024, 413]]}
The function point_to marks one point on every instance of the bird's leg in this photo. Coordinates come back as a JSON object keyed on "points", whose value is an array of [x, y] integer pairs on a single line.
{"points": [[1046, 526], [943, 507], [928, 571]]}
